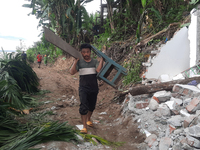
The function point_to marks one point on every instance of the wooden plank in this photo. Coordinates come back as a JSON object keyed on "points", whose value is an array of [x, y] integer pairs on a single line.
{"points": [[59, 42]]}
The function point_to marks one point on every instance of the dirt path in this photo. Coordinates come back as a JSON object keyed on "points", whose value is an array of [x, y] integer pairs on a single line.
{"points": [[110, 124]]}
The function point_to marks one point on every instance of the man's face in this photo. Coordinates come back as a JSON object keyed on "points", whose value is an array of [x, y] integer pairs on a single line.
{"points": [[86, 53]]}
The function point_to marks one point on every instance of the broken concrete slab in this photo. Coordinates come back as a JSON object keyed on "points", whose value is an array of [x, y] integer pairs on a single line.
{"points": [[162, 96], [153, 104], [193, 141], [163, 110], [188, 120], [176, 120], [184, 113], [164, 78], [165, 143], [189, 90], [193, 131], [193, 105], [151, 139]]}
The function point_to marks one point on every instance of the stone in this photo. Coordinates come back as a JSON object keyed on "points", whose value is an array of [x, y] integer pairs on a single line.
{"points": [[165, 143], [177, 101], [184, 113], [170, 104], [193, 105], [162, 96], [176, 147], [193, 141], [163, 110], [178, 131], [186, 101], [193, 131], [153, 104], [175, 120], [188, 120], [164, 78], [150, 140], [146, 64]]}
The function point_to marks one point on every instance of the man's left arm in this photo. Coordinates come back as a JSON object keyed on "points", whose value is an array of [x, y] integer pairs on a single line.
{"points": [[100, 65]]}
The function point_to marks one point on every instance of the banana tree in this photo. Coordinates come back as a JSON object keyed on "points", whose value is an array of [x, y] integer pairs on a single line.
{"points": [[64, 17]]}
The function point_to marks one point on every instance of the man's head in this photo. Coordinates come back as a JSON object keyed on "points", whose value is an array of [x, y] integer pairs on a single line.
{"points": [[86, 51], [38, 52]]}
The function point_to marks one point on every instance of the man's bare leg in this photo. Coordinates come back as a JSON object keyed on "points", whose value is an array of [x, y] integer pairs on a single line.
{"points": [[89, 114], [84, 120]]}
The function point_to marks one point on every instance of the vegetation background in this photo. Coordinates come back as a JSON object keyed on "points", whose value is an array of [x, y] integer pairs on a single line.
{"points": [[125, 21]]}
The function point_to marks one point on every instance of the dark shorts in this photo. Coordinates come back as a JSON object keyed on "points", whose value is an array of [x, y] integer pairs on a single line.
{"points": [[39, 62], [88, 101]]}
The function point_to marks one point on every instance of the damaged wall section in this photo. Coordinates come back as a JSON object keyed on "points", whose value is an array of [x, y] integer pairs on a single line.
{"points": [[192, 35], [173, 57]]}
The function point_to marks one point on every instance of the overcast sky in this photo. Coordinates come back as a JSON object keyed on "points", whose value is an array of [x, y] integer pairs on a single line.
{"points": [[16, 25]]}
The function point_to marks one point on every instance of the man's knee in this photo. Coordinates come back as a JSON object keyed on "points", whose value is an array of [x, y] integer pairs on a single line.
{"points": [[83, 110]]}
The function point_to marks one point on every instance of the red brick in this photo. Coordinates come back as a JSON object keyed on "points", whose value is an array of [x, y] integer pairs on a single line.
{"points": [[188, 120], [171, 128], [141, 105], [185, 91], [177, 88], [192, 104], [155, 98]]}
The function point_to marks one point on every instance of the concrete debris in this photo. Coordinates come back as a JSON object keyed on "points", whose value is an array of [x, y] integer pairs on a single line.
{"points": [[170, 120], [102, 113], [193, 105], [153, 105], [164, 78], [163, 110], [151, 139], [165, 143], [162, 96]]}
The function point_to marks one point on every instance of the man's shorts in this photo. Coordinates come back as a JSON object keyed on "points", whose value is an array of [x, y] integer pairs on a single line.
{"points": [[39, 62], [88, 101]]}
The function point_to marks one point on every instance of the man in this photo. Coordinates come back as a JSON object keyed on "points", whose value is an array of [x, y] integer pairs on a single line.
{"points": [[39, 59], [88, 86], [23, 55]]}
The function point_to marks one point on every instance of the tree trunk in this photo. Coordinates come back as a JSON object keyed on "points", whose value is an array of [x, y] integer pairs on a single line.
{"points": [[110, 14], [148, 89]]}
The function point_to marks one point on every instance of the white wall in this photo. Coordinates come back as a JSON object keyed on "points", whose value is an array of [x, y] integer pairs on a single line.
{"points": [[192, 36], [173, 57]]}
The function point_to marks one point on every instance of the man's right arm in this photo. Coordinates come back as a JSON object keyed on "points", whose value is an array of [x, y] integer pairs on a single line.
{"points": [[73, 70]]}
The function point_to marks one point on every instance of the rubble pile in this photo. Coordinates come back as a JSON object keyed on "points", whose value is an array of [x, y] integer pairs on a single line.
{"points": [[170, 119]]}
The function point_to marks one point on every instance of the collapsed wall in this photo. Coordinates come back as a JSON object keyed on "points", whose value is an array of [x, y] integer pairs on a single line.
{"points": [[173, 57], [170, 120], [179, 54]]}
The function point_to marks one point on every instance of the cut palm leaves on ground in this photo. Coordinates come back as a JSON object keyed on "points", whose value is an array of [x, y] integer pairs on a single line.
{"points": [[14, 136], [16, 77], [26, 78], [89, 137]]}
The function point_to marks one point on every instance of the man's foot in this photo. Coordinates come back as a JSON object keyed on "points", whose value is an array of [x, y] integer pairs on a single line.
{"points": [[84, 131], [89, 123]]}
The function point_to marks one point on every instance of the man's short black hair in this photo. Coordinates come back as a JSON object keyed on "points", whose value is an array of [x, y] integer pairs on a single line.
{"points": [[85, 45], [38, 52]]}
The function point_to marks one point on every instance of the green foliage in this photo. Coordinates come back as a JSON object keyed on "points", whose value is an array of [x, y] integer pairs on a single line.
{"points": [[15, 136], [45, 48], [88, 137], [16, 77], [134, 66]]}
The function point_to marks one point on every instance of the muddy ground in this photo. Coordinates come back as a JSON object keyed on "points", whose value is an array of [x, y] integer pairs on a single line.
{"points": [[63, 86]]}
